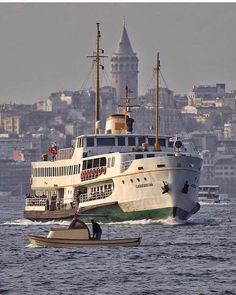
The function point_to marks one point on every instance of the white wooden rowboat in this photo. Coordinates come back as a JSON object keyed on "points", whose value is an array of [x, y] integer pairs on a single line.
{"points": [[78, 235]]}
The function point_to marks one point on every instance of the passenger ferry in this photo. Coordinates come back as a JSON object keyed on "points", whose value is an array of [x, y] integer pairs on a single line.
{"points": [[209, 193], [117, 173]]}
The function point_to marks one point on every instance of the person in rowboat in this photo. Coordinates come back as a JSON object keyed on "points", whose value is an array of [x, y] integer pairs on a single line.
{"points": [[97, 231]]}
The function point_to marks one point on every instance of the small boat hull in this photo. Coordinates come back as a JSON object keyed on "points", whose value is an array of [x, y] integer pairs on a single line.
{"points": [[65, 243], [49, 215]]}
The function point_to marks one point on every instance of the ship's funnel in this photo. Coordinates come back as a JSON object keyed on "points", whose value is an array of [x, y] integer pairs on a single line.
{"points": [[116, 124]]}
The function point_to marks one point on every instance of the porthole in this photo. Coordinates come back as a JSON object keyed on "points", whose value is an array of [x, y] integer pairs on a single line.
{"points": [[145, 178], [123, 181], [131, 180], [138, 179]]}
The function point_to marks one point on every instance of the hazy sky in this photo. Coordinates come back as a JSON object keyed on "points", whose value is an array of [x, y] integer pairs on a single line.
{"points": [[44, 46]]}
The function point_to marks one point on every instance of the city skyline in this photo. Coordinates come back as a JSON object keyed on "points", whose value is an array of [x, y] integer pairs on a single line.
{"points": [[44, 45]]}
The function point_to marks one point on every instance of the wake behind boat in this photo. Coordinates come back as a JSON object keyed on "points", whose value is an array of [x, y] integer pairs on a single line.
{"points": [[118, 173], [78, 235]]}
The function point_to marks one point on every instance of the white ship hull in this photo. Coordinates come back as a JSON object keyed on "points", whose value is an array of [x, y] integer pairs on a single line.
{"points": [[139, 195]]}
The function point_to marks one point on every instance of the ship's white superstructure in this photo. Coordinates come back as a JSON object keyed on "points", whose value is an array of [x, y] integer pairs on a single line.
{"points": [[120, 174]]}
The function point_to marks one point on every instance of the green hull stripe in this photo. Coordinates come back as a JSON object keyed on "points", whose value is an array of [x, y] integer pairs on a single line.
{"points": [[114, 213]]}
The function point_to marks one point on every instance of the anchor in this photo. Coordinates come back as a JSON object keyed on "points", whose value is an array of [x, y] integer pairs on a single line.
{"points": [[165, 187]]}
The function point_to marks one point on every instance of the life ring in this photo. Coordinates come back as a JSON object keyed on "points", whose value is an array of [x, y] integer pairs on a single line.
{"points": [[95, 172], [99, 171]]}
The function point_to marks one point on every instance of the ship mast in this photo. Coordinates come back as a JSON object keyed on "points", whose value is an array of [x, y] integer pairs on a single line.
{"points": [[127, 109], [97, 57], [157, 69], [97, 104]]}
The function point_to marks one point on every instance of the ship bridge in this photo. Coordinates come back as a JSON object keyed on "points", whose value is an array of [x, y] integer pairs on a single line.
{"points": [[91, 145]]}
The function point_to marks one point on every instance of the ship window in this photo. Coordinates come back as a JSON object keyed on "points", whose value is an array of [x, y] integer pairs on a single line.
{"points": [[96, 162], [140, 168], [141, 140], [123, 181], [170, 143], [89, 164], [109, 163], [131, 180], [113, 162], [161, 165], [150, 155], [121, 141], [151, 140], [138, 179], [103, 162], [145, 178], [162, 141], [106, 141], [84, 165], [90, 141], [138, 156], [131, 141], [75, 169]]}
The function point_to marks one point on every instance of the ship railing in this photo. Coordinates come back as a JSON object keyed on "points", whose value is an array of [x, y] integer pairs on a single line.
{"points": [[36, 202], [95, 196], [125, 165], [64, 154]]}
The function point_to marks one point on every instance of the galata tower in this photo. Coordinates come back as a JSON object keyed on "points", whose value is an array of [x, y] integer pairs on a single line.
{"points": [[124, 68]]}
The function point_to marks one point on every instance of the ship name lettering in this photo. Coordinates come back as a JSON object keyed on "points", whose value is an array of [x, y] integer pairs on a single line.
{"points": [[144, 185]]}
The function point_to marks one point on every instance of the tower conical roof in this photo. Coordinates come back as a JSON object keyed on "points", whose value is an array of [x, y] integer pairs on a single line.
{"points": [[124, 46]]}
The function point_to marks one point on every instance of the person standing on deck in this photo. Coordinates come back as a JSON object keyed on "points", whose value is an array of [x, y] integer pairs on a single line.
{"points": [[97, 231]]}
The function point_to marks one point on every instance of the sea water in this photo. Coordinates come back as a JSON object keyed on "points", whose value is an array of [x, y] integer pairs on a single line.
{"points": [[195, 258]]}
